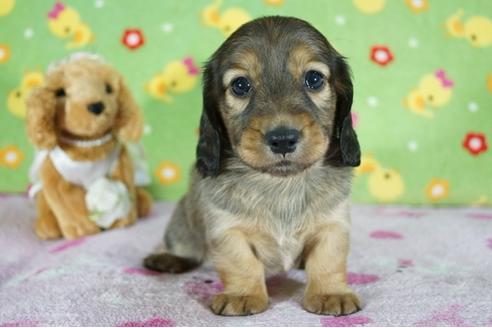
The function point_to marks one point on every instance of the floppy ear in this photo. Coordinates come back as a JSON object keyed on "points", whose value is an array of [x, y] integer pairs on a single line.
{"points": [[344, 149], [129, 120], [40, 117], [212, 138]]}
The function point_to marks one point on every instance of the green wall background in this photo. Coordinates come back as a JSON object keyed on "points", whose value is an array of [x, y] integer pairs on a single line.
{"points": [[405, 155]]}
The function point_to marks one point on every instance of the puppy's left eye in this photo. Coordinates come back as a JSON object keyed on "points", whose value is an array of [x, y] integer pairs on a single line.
{"points": [[108, 88], [241, 86], [314, 80]]}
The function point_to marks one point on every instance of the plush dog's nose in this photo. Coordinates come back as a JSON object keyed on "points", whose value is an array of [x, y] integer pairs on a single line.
{"points": [[96, 108], [282, 140]]}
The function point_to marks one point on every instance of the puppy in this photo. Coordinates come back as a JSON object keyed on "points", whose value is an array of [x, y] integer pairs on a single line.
{"points": [[78, 120], [270, 189]]}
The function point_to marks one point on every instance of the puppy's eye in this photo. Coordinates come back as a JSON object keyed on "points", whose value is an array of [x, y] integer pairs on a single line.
{"points": [[314, 80], [59, 93], [241, 86], [108, 88]]}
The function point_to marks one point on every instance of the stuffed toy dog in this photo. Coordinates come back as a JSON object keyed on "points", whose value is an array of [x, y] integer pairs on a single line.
{"points": [[83, 176]]}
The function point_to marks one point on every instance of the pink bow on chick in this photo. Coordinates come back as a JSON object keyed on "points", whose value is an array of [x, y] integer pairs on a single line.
{"points": [[190, 65], [445, 80], [57, 9]]}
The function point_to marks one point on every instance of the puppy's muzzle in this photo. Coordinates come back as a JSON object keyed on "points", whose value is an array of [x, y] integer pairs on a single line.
{"points": [[96, 108], [282, 140]]}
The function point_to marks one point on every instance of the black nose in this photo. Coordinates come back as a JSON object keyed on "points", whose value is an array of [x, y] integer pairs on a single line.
{"points": [[282, 140], [96, 108]]}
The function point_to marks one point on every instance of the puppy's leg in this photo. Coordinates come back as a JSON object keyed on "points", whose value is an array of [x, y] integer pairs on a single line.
{"points": [[327, 291], [242, 274], [46, 226], [184, 243]]}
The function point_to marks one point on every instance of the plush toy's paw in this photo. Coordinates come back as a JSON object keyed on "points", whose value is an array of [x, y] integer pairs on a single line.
{"points": [[164, 262], [332, 304], [144, 202], [47, 228], [129, 220], [74, 230], [235, 305]]}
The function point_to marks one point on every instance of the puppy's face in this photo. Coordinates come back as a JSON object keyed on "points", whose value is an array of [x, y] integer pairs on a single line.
{"points": [[273, 86], [86, 95]]}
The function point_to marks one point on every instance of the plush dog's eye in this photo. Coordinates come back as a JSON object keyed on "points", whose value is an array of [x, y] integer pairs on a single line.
{"points": [[314, 80], [241, 86], [60, 93], [108, 88]]}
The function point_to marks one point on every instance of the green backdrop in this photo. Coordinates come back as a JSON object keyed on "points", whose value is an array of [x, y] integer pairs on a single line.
{"points": [[422, 76]]}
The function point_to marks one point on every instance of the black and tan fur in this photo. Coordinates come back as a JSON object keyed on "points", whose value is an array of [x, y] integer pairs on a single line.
{"points": [[254, 212]]}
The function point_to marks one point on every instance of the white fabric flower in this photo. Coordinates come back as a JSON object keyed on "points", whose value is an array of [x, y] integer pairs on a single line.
{"points": [[107, 200]]}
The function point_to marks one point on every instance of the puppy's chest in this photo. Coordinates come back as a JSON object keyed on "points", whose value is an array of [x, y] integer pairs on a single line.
{"points": [[280, 249]]}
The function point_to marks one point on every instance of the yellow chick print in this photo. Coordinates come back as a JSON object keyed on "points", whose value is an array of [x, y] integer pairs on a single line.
{"points": [[65, 23], [228, 21], [177, 77], [477, 29], [274, 2], [17, 97], [6, 7], [369, 7], [386, 185], [434, 91]]}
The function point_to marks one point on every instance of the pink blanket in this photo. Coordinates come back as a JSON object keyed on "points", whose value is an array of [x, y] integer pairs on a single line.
{"points": [[411, 267]]}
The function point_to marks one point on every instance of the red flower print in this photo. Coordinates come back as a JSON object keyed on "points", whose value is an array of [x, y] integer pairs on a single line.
{"points": [[347, 321], [381, 55], [383, 234], [132, 39], [475, 143]]}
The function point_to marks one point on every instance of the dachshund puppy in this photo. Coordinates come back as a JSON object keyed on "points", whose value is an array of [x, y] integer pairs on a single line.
{"points": [[270, 189]]}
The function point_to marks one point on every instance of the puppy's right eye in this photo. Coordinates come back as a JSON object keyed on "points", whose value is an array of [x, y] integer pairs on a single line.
{"points": [[241, 86], [60, 93]]}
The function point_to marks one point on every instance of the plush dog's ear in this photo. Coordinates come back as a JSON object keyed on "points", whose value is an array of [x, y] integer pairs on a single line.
{"points": [[344, 149], [211, 142], [40, 117], [129, 120]]}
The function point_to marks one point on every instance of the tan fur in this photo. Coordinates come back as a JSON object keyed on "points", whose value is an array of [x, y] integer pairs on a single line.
{"points": [[242, 274], [46, 225], [61, 204]]}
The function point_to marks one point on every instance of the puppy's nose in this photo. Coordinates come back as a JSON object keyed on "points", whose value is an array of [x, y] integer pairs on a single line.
{"points": [[96, 108], [282, 140]]}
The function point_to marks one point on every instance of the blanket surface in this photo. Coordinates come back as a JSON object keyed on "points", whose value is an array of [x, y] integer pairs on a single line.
{"points": [[411, 267]]}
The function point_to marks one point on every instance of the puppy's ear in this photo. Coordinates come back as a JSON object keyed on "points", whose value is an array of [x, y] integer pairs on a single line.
{"points": [[40, 118], [210, 148], [344, 149], [129, 121]]}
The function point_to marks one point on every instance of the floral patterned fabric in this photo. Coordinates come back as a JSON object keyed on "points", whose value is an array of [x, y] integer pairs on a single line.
{"points": [[422, 77], [411, 267]]}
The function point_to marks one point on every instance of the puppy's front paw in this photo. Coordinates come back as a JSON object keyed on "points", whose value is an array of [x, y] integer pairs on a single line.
{"points": [[227, 304], [332, 304]]}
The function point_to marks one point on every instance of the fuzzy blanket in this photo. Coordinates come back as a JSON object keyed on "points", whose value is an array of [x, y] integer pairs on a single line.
{"points": [[411, 267]]}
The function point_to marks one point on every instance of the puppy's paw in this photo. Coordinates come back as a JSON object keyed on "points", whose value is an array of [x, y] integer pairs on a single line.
{"points": [[332, 304], [165, 262], [234, 305]]}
